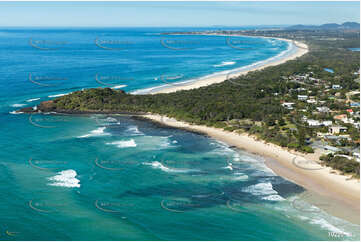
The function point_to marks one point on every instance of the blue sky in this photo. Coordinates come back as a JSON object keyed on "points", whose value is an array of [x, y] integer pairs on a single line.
{"points": [[144, 14]]}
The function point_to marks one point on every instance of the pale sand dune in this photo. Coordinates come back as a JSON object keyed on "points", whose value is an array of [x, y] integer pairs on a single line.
{"points": [[301, 50], [344, 193]]}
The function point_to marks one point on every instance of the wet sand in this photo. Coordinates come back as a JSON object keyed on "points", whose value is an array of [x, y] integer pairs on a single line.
{"points": [[341, 193]]}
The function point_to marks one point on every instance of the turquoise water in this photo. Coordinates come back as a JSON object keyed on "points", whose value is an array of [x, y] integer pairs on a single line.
{"points": [[102, 177]]}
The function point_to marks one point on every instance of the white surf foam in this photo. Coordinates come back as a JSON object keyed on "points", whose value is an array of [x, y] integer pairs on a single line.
{"points": [[96, 132], [158, 165], [329, 227], [18, 105], [119, 86], [107, 121], [15, 112], [290, 49], [33, 99], [238, 176], [260, 189], [133, 131], [225, 63], [58, 95], [110, 119], [123, 143], [229, 167], [65, 178], [274, 198]]}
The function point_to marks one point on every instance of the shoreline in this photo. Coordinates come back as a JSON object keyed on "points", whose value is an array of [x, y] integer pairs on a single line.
{"points": [[341, 193], [300, 50]]}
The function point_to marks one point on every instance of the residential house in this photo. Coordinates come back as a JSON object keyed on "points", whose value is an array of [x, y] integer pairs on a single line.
{"points": [[326, 123], [337, 129], [302, 97], [323, 109], [354, 104], [337, 87], [288, 105], [312, 122], [350, 111], [311, 101], [340, 117]]}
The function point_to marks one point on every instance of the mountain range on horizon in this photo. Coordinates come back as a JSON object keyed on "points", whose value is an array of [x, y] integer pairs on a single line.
{"points": [[327, 26]]}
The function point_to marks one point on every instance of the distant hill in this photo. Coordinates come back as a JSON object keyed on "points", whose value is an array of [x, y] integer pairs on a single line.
{"points": [[328, 26]]}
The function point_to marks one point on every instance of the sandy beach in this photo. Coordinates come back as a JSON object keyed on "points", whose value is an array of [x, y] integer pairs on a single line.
{"points": [[342, 195], [339, 192], [301, 49]]}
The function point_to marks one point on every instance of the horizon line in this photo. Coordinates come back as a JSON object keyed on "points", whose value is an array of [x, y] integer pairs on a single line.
{"points": [[203, 26]]}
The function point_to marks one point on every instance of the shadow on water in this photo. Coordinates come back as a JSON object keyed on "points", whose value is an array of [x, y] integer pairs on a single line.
{"points": [[187, 197]]}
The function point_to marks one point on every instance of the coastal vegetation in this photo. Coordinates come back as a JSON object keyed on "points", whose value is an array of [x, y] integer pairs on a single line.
{"points": [[279, 104]]}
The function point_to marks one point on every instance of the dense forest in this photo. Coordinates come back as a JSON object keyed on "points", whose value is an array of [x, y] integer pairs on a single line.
{"points": [[249, 103]]}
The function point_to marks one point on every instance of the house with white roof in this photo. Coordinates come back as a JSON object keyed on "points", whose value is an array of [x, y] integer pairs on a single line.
{"points": [[337, 129], [288, 105], [302, 97], [323, 109], [326, 123], [312, 122]]}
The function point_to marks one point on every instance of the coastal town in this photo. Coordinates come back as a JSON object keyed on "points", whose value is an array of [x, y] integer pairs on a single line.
{"points": [[330, 110]]}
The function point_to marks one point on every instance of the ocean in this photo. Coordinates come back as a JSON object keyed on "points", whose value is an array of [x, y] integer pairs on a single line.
{"points": [[102, 177]]}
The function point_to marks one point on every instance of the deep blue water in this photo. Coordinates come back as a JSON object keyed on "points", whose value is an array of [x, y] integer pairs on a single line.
{"points": [[116, 178]]}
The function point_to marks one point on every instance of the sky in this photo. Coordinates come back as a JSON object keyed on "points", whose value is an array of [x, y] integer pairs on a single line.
{"points": [[174, 14]]}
